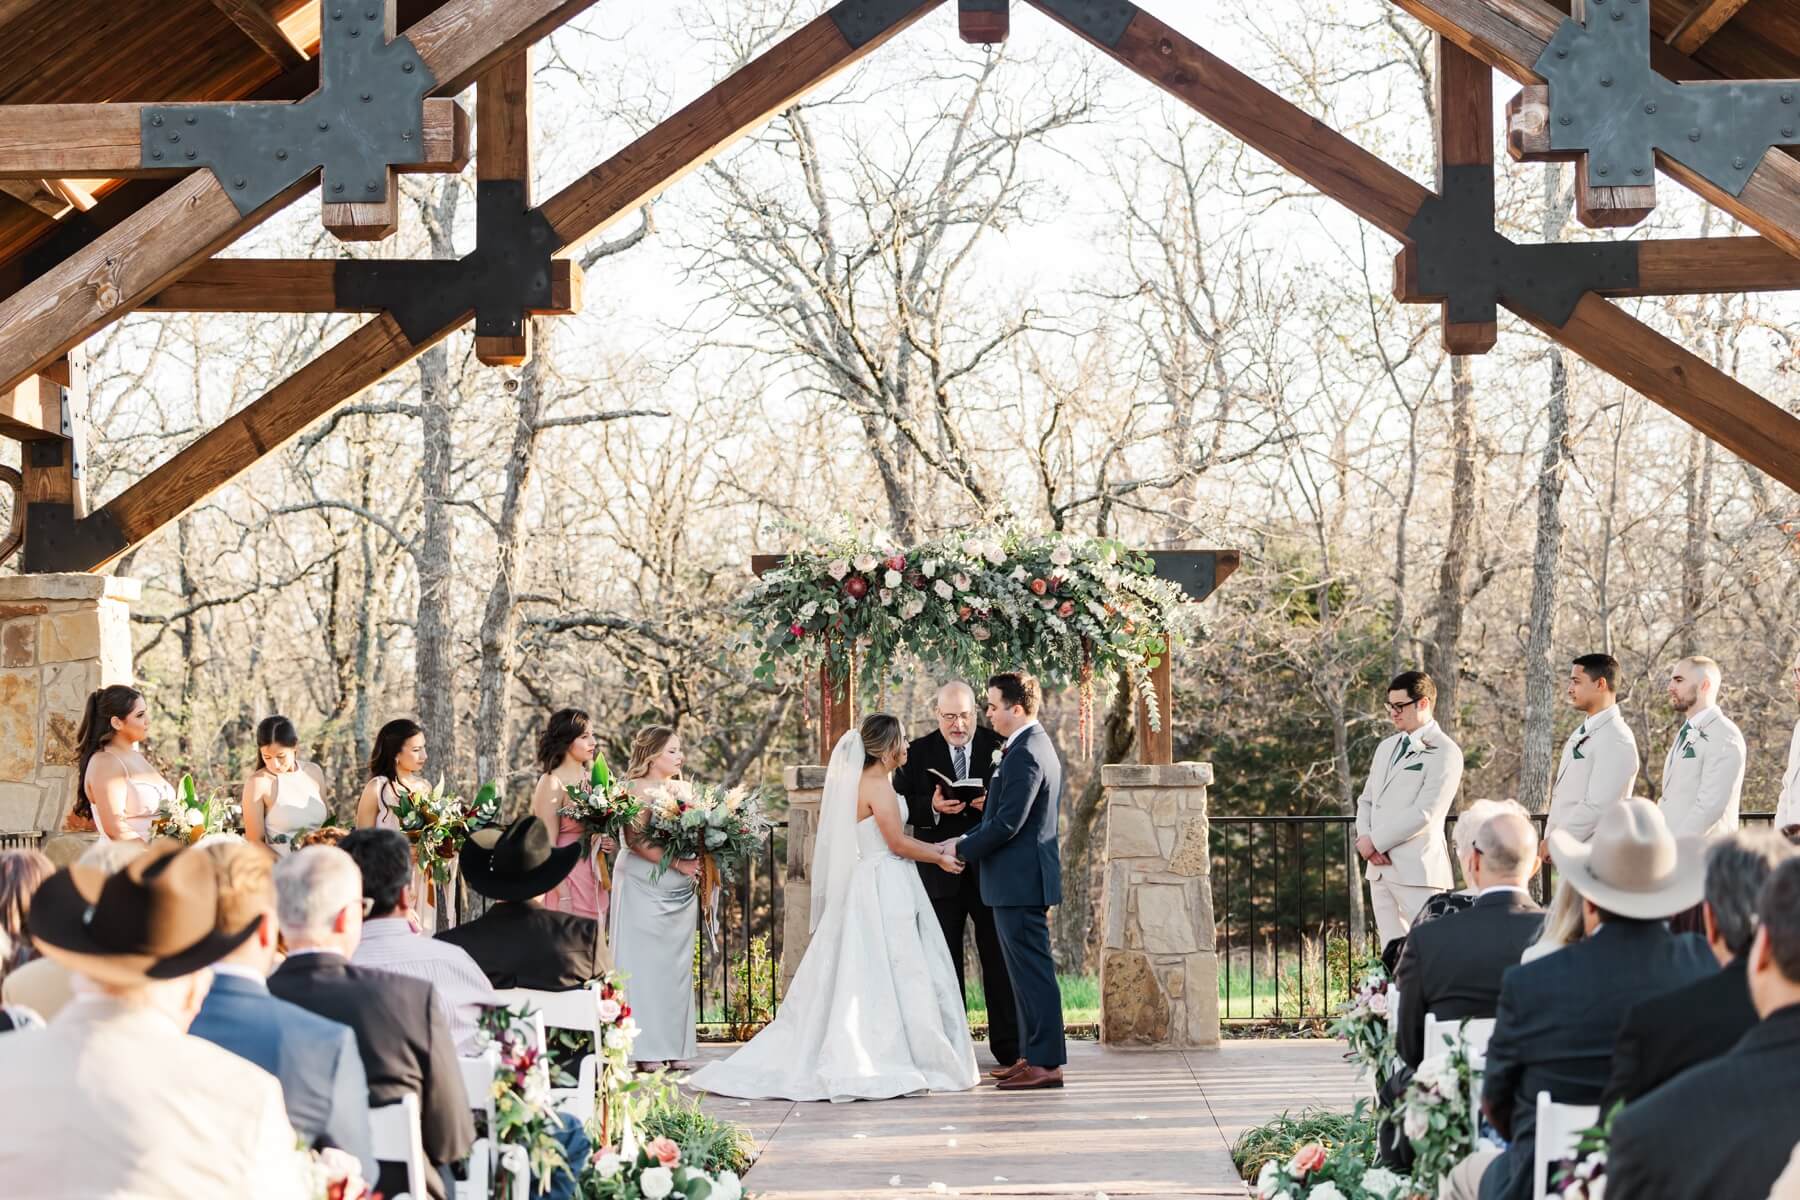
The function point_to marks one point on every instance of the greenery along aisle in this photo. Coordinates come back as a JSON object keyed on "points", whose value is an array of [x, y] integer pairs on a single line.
{"points": [[974, 602]]}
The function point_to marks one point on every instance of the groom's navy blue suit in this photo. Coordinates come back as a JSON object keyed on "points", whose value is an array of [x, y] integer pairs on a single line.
{"points": [[1021, 876]]}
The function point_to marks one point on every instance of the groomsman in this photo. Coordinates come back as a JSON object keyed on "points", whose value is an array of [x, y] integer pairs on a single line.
{"points": [[1600, 759], [1703, 775], [1400, 815], [1787, 808], [960, 749]]}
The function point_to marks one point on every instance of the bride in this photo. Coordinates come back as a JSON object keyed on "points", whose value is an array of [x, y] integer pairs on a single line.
{"points": [[874, 1010]]}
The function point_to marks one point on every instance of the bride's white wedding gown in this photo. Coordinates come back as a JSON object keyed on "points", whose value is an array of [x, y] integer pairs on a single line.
{"points": [[873, 1012]]}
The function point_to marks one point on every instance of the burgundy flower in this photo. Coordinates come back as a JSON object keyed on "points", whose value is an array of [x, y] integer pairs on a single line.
{"points": [[798, 630], [856, 587]]}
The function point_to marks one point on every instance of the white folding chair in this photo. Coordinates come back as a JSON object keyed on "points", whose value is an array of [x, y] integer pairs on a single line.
{"points": [[478, 1081], [1473, 1034], [394, 1137], [1559, 1129], [566, 1010]]}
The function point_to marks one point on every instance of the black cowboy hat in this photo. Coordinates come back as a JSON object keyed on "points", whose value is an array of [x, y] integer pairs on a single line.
{"points": [[518, 863], [154, 918]]}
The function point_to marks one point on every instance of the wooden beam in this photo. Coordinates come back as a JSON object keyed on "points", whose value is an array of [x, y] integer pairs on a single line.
{"points": [[793, 67], [195, 219], [300, 285], [1528, 140], [503, 152], [1386, 198], [257, 25], [1707, 266], [38, 194], [1510, 35], [1464, 87], [32, 410], [1707, 18], [47, 140]]}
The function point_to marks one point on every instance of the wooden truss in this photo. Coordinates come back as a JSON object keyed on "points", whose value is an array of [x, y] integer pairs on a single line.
{"points": [[152, 247]]}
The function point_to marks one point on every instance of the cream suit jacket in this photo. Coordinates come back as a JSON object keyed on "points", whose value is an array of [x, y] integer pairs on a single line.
{"points": [[1599, 765], [113, 1100], [1787, 808], [1703, 780], [1404, 804]]}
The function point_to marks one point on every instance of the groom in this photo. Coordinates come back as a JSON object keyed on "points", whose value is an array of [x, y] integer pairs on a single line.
{"points": [[1021, 874]]}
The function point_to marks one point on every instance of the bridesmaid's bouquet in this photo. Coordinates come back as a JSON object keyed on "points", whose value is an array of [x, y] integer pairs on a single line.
{"points": [[722, 827], [437, 823], [189, 816], [602, 805]]}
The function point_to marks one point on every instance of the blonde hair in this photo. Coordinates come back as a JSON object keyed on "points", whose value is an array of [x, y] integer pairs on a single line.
{"points": [[650, 741], [882, 734], [246, 877], [1562, 920]]}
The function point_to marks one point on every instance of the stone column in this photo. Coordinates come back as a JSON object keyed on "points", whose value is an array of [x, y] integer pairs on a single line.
{"points": [[61, 636], [1159, 972], [805, 788]]}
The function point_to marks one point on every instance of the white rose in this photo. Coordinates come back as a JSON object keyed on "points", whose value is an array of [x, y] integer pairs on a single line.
{"points": [[1018, 574], [1382, 1183], [808, 610], [1323, 1191], [887, 597], [617, 1038], [892, 578], [726, 1187], [980, 633], [1418, 1121], [607, 1165], [912, 608], [1061, 556], [993, 553], [1378, 1004], [608, 1010], [962, 582], [656, 1182], [943, 590], [930, 567], [1268, 1180], [866, 563], [193, 818]]}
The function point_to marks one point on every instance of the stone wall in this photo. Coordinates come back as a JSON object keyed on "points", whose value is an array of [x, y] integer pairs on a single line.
{"points": [[61, 636], [805, 788], [1159, 972]]}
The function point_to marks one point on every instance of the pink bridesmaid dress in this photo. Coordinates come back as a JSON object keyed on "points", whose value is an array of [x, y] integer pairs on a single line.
{"points": [[581, 892]]}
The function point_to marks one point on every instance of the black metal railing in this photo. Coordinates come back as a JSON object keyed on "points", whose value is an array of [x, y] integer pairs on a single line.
{"points": [[1282, 889], [30, 839], [737, 969]]}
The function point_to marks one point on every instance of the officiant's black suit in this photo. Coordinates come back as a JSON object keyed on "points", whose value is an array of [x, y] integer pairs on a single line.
{"points": [[957, 898]]}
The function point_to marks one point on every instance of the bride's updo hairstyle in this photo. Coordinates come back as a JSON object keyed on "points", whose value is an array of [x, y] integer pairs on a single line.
{"points": [[882, 734], [648, 743]]}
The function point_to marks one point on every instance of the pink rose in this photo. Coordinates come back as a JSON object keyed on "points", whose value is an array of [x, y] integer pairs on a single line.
{"points": [[1309, 1159], [896, 562], [668, 1153], [1039, 587], [1067, 609], [799, 631]]}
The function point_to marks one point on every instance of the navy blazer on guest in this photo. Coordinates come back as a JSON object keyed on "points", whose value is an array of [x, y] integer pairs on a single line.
{"points": [[1016, 840], [316, 1060]]}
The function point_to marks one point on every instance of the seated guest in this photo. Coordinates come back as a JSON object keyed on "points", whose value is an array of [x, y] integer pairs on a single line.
{"points": [[316, 1060], [43, 984], [1665, 1035], [400, 1027], [520, 943], [1725, 1129], [21, 871], [1558, 1016], [1451, 967], [389, 942], [1562, 923], [114, 1098]]}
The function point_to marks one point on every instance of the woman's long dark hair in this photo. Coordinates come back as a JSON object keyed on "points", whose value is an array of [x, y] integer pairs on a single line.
{"points": [[565, 725], [103, 704], [276, 731], [388, 744]]}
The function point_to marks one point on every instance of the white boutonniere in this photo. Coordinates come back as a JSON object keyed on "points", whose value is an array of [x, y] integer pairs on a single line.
{"points": [[998, 755]]}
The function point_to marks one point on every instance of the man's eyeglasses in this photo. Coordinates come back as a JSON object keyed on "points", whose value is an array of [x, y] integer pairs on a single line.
{"points": [[1395, 710]]}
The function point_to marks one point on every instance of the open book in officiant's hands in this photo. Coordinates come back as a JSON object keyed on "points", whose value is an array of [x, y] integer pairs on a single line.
{"points": [[964, 790]]}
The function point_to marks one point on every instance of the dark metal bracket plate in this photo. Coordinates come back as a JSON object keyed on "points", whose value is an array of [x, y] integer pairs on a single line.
{"points": [[57, 540], [1461, 257], [1606, 100], [1105, 21], [366, 116], [503, 279], [862, 21]]}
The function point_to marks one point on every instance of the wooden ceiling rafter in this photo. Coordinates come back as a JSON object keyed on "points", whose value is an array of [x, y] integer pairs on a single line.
{"points": [[264, 30], [1698, 27]]}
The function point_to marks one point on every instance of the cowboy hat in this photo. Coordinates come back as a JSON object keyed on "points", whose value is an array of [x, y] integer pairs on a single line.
{"points": [[154, 918], [517, 863], [1633, 867]]}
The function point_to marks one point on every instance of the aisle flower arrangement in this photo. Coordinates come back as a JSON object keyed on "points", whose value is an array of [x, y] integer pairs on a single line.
{"points": [[1314, 1173], [615, 1078], [1583, 1177], [438, 823], [1436, 1118], [189, 816], [523, 1118], [974, 602], [1363, 1024], [655, 1171], [334, 1175]]}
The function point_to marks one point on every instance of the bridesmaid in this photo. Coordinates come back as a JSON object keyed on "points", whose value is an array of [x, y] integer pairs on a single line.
{"points": [[565, 753], [395, 766], [653, 920], [283, 797], [120, 790]]}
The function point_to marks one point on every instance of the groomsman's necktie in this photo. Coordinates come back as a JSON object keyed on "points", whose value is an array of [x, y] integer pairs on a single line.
{"points": [[1402, 748], [960, 761], [1681, 738]]}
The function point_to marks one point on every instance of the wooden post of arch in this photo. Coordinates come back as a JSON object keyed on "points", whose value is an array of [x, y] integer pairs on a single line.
{"points": [[1198, 573]]}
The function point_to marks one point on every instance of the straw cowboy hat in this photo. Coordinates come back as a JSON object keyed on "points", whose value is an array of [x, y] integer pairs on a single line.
{"points": [[1634, 867], [516, 864], [154, 918]]}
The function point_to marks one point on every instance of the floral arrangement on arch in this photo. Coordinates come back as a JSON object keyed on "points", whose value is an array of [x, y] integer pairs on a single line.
{"points": [[189, 816], [1435, 1115], [1363, 1024], [523, 1117], [975, 602]]}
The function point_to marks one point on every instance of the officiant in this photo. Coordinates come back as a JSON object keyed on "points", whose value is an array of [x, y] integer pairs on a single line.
{"points": [[960, 749]]}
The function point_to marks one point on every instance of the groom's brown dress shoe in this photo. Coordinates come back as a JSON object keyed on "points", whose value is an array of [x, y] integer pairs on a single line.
{"points": [[1003, 1072], [1032, 1078]]}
